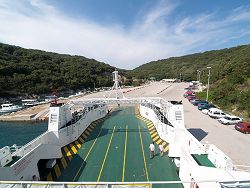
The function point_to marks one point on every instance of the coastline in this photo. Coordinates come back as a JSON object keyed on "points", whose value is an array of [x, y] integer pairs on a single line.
{"points": [[35, 113]]}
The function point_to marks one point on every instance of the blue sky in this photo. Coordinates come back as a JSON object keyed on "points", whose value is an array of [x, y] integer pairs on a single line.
{"points": [[125, 33]]}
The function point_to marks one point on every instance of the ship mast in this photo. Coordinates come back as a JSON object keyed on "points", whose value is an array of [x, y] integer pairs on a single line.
{"points": [[116, 87]]}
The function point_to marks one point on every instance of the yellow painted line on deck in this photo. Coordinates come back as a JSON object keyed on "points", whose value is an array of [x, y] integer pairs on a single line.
{"points": [[80, 138], [146, 120], [152, 128], [104, 160], [139, 118], [49, 177], [64, 163], [67, 152], [163, 144], [87, 132], [84, 136], [152, 132], [166, 148], [124, 157], [144, 159], [89, 129], [77, 144], [158, 141], [148, 124], [87, 155], [153, 135], [57, 170], [92, 126], [73, 148], [156, 138]]}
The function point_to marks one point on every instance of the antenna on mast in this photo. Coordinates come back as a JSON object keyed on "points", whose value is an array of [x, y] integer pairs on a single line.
{"points": [[54, 94], [116, 87]]}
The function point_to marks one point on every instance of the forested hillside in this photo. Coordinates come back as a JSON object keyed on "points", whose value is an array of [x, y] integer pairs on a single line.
{"points": [[26, 71], [230, 74]]}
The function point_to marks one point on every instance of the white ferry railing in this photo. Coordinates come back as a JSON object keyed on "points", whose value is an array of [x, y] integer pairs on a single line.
{"points": [[35, 142], [31, 145], [114, 100], [158, 113], [143, 184], [189, 141], [158, 102]]}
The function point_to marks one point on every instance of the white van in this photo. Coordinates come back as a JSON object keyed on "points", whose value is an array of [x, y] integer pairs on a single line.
{"points": [[216, 113]]}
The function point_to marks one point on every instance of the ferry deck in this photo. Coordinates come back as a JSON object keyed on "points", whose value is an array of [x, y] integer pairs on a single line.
{"points": [[116, 149]]}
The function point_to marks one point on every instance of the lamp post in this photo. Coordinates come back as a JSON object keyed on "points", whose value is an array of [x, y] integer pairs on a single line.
{"points": [[209, 68], [197, 75]]}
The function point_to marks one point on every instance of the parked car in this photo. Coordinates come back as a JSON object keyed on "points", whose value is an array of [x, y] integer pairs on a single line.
{"points": [[188, 88], [191, 97], [229, 120], [243, 127], [205, 111], [216, 113], [202, 106], [195, 103], [188, 93], [195, 100]]}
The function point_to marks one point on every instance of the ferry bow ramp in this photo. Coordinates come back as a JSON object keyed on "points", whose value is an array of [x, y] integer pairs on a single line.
{"points": [[117, 149]]}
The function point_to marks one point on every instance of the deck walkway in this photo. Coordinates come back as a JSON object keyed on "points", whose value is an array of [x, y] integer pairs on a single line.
{"points": [[117, 149]]}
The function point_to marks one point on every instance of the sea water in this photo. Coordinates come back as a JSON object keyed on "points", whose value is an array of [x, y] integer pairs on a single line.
{"points": [[20, 133]]}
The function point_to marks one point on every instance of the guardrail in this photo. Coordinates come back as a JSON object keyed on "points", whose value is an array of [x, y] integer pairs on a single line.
{"points": [[158, 113], [44, 184], [30, 145]]}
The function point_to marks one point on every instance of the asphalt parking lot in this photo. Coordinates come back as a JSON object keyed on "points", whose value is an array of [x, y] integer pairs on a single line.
{"points": [[208, 130]]}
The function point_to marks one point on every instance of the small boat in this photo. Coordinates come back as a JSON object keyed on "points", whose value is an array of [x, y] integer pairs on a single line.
{"points": [[9, 107], [30, 102], [49, 98]]}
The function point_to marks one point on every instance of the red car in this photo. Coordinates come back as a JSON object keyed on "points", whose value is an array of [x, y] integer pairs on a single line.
{"points": [[243, 127], [191, 97], [189, 93]]}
